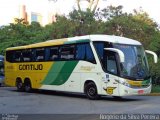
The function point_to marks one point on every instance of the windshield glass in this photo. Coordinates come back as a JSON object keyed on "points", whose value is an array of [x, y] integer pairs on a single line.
{"points": [[135, 65]]}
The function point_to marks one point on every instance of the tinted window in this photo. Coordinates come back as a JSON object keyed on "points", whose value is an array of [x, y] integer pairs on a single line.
{"points": [[67, 52], [27, 55], [13, 56], [111, 63], [53, 53], [81, 51], [40, 54], [100, 49], [84, 52], [9, 56], [17, 56]]}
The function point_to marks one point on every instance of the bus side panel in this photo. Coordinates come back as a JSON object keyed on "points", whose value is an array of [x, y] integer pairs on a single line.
{"points": [[10, 74], [34, 71], [90, 72], [58, 75], [73, 84], [72, 75]]}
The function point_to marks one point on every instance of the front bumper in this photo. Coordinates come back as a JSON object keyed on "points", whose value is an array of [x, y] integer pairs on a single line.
{"points": [[127, 91]]}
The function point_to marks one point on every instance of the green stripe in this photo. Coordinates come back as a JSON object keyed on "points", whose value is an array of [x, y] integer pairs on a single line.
{"points": [[53, 72], [146, 82], [77, 41], [59, 73]]}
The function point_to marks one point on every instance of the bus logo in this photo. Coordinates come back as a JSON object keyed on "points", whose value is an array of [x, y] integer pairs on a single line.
{"points": [[31, 67], [109, 90]]}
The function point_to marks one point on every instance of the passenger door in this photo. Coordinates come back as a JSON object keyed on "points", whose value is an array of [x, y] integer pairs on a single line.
{"points": [[112, 86]]}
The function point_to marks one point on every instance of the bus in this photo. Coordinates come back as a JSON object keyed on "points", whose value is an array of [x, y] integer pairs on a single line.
{"points": [[1, 70], [92, 64]]}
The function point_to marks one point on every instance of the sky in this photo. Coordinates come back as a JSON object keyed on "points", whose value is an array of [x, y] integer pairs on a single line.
{"points": [[10, 8]]}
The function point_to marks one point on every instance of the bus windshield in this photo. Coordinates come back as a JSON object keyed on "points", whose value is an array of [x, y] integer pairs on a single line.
{"points": [[135, 65]]}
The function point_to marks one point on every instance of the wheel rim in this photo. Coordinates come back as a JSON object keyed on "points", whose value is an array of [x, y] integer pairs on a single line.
{"points": [[91, 91], [27, 87], [19, 85]]}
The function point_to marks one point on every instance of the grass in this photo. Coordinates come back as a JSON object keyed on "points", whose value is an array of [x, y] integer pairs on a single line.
{"points": [[155, 89]]}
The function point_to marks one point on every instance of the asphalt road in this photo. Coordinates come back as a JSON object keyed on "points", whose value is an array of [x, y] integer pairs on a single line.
{"points": [[50, 102]]}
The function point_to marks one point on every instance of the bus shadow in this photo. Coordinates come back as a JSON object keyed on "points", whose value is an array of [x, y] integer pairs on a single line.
{"points": [[122, 99], [52, 93], [83, 96], [59, 93]]}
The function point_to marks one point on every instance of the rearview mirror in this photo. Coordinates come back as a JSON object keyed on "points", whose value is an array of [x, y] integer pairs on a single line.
{"points": [[119, 52], [154, 55]]}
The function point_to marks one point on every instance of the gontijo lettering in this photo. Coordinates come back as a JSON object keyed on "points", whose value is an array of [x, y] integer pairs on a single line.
{"points": [[31, 67]]}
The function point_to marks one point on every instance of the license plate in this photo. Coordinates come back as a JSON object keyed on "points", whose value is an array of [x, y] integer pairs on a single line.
{"points": [[140, 91]]}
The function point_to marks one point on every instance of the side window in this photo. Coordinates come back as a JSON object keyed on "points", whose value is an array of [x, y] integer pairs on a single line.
{"points": [[9, 56], [100, 49], [27, 55], [17, 56], [67, 52], [111, 63], [84, 52], [53, 53], [40, 54]]}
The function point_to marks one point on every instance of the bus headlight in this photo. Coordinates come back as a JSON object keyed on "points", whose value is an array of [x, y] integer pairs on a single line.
{"points": [[125, 83]]}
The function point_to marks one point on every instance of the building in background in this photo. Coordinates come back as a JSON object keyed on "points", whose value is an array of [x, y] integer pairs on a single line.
{"points": [[30, 15], [42, 11]]}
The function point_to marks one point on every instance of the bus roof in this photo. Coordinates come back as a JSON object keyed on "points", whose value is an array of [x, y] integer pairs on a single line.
{"points": [[108, 38], [78, 39]]}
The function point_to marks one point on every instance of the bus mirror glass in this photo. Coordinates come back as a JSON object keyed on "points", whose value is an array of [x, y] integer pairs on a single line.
{"points": [[154, 55], [119, 52]]}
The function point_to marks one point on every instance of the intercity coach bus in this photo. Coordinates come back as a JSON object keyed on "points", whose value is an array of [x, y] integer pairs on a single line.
{"points": [[93, 64]]}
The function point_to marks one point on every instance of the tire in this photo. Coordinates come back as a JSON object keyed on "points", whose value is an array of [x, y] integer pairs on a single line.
{"points": [[27, 86], [91, 91], [19, 86]]}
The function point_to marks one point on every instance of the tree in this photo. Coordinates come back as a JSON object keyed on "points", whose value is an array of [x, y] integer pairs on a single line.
{"points": [[20, 33], [20, 21], [109, 12], [144, 16]]}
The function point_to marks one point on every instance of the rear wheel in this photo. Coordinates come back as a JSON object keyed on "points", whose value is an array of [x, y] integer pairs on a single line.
{"points": [[19, 85], [27, 86], [91, 91]]}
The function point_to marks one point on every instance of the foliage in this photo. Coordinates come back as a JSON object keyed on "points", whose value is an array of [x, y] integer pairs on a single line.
{"points": [[143, 16], [20, 33], [155, 89]]}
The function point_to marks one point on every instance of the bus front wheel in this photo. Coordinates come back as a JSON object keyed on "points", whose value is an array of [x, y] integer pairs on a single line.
{"points": [[91, 91]]}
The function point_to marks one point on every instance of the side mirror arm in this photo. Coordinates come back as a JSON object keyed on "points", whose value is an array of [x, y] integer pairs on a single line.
{"points": [[154, 55], [120, 53]]}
